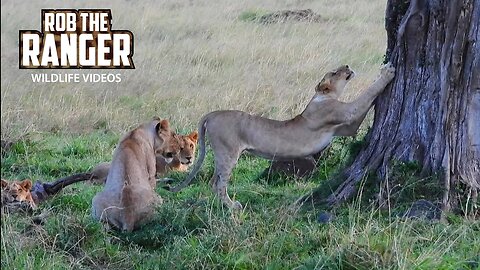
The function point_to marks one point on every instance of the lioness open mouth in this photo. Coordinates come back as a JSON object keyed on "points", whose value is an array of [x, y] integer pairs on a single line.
{"points": [[349, 76]]}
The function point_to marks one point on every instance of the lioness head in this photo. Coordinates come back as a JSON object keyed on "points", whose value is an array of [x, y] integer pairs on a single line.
{"points": [[17, 191], [189, 145], [334, 81], [169, 144]]}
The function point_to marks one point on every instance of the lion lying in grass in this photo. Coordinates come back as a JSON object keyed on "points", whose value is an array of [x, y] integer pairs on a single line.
{"points": [[232, 132], [17, 193], [22, 195], [128, 198], [188, 144]]}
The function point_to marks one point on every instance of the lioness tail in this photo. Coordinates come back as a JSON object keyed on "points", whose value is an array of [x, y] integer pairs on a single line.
{"points": [[201, 157]]}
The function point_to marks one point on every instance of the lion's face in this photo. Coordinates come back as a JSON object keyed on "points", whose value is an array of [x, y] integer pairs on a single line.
{"points": [[169, 144], [335, 80], [17, 191], [170, 148], [342, 73], [189, 146]]}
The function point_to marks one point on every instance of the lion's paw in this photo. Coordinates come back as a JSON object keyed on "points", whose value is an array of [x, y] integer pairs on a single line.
{"points": [[387, 71]]}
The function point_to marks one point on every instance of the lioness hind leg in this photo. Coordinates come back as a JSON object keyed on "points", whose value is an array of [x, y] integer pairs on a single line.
{"points": [[223, 170], [98, 207], [129, 221], [105, 212]]}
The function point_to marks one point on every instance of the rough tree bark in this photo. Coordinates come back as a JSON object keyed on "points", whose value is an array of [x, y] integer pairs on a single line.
{"points": [[430, 113]]}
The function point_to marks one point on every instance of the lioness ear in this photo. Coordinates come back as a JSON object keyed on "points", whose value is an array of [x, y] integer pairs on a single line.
{"points": [[165, 125], [162, 126], [26, 184], [4, 183], [324, 87], [193, 136]]}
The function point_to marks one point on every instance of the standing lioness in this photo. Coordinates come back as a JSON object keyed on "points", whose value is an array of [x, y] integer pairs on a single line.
{"points": [[232, 132], [128, 198]]}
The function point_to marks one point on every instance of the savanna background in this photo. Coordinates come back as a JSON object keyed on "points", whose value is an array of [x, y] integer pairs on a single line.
{"points": [[193, 57]]}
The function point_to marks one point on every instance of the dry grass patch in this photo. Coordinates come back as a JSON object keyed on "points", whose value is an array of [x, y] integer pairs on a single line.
{"points": [[192, 58]]}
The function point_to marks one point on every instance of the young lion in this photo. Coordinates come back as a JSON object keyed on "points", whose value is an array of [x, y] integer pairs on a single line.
{"points": [[22, 194], [188, 144], [187, 156], [232, 132], [17, 192], [128, 198]]}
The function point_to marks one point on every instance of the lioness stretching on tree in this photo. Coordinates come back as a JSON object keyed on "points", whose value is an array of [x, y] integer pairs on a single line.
{"points": [[128, 198], [232, 132]]}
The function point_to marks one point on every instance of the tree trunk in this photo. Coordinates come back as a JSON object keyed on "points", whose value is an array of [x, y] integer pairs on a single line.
{"points": [[430, 113]]}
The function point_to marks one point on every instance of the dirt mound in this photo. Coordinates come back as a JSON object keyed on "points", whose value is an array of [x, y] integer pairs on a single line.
{"points": [[301, 15]]}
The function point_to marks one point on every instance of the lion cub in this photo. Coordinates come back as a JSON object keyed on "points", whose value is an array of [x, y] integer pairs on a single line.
{"points": [[17, 192], [128, 198], [188, 145], [232, 132], [186, 158]]}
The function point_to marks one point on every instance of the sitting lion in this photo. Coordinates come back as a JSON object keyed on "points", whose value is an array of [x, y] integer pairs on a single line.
{"points": [[232, 132], [188, 145], [128, 198]]}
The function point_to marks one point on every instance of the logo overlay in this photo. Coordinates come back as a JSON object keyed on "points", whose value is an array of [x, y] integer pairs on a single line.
{"points": [[76, 39]]}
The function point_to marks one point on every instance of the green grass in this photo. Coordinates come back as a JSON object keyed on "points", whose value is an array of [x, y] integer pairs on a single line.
{"points": [[192, 230]]}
